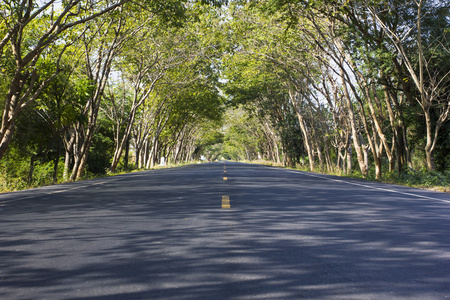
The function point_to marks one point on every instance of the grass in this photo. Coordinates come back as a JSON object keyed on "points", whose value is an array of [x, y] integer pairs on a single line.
{"points": [[8, 185], [413, 178], [422, 178]]}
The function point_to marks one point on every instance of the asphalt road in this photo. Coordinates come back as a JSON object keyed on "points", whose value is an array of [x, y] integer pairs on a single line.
{"points": [[164, 235]]}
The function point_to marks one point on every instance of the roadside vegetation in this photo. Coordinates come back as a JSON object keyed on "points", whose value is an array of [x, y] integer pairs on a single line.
{"points": [[354, 88], [422, 179]]}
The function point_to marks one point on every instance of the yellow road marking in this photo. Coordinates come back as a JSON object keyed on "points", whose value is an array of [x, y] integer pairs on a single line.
{"points": [[225, 202]]}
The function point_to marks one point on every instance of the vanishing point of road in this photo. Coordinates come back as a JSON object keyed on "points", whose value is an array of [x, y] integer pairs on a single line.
{"points": [[224, 231]]}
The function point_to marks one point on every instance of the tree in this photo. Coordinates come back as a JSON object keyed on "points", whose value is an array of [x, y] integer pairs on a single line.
{"points": [[431, 81], [374, 45], [29, 28]]}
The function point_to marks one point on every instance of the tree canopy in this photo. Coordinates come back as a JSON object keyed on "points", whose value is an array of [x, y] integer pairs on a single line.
{"points": [[90, 87]]}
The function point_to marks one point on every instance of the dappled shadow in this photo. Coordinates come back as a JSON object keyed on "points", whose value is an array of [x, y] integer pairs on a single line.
{"points": [[162, 235]]}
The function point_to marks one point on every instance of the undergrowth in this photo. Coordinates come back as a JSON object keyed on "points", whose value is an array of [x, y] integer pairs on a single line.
{"points": [[15, 181], [414, 178], [421, 178]]}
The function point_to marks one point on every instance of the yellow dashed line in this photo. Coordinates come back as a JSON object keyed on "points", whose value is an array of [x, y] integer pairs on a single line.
{"points": [[225, 199], [225, 202]]}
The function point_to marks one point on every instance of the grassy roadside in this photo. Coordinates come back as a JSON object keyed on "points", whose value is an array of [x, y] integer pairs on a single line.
{"points": [[421, 179], [8, 185]]}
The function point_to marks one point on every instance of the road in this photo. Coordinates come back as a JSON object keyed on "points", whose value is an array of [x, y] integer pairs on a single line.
{"points": [[174, 234]]}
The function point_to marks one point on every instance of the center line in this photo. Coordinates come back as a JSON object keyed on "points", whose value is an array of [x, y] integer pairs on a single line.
{"points": [[225, 202]]}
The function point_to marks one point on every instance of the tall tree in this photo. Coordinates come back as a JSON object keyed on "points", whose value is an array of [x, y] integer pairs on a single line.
{"points": [[431, 81], [29, 27]]}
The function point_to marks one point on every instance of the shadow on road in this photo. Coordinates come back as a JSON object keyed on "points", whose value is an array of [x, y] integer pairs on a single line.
{"points": [[162, 235]]}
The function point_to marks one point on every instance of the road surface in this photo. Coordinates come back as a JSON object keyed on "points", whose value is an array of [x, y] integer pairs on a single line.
{"points": [[224, 231]]}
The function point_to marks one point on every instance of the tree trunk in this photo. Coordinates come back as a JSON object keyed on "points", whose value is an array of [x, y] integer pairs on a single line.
{"points": [[355, 133], [82, 155], [137, 157], [55, 163], [349, 160], [127, 150], [6, 135], [306, 139], [429, 153], [68, 145], [30, 173], [145, 154]]}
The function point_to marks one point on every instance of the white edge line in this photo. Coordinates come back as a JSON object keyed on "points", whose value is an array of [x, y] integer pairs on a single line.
{"points": [[359, 184]]}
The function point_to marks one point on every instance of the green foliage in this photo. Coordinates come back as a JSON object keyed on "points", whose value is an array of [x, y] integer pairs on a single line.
{"points": [[442, 156], [420, 178], [15, 171], [101, 151], [221, 80]]}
